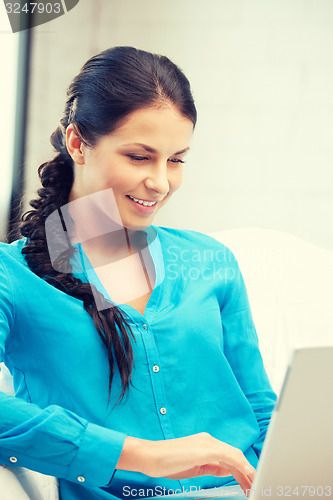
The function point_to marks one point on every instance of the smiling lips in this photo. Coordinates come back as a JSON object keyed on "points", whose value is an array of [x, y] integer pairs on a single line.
{"points": [[145, 203]]}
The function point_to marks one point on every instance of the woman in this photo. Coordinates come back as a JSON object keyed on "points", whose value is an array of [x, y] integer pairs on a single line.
{"points": [[132, 347]]}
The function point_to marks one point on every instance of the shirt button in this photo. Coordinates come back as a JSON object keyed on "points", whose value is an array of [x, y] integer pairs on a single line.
{"points": [[81, 479], [163, 410], [144, 326], [156, 368], [13, 460]]}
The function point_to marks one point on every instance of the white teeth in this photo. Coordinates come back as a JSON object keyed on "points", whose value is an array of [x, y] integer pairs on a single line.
{"points": [[141, 202]]}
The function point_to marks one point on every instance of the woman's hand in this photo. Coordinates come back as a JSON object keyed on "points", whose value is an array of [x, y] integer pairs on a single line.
{"points": [[190, 456]]}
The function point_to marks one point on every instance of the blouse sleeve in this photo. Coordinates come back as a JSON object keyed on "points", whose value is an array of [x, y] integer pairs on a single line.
{"points": [[53, 441], [242, 350]]}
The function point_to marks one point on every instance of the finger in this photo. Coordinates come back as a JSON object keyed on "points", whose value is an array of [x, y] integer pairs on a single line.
{"points": [[251, 474], [243, 482], [244, 479]]}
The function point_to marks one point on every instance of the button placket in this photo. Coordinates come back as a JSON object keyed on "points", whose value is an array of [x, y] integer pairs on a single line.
{"points": [[157, 382]]}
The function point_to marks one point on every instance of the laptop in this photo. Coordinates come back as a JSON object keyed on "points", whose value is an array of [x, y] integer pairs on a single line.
{"points": [[297, 457]]}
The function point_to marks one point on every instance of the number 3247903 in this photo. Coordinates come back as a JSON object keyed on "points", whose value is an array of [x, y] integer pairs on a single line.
{"points": [[301, 491], [33, 7]]}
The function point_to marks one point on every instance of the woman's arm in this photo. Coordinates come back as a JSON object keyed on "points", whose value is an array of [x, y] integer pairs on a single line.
{"points": [[57, 442], [241, 349], [186, 457]]}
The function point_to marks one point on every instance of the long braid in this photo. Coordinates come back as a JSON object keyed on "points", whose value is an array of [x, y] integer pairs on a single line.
{"points": [[57, 177]]}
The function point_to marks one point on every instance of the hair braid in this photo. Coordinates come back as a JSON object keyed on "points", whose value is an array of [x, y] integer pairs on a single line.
{"points": [[57, 177]]}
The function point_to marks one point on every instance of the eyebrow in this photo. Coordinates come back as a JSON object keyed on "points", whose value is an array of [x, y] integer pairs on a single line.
{"points": [[152, 150]]}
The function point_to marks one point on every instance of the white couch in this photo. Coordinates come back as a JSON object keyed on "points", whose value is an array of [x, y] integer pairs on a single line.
{"points": [[290, 287]]}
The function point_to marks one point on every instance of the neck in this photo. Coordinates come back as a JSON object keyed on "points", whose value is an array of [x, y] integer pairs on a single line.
{"points": [[114, 246]]}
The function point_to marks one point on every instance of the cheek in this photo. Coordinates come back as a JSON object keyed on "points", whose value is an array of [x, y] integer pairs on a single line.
{"points": [[110, 172], [176, 179], [118, 181]]}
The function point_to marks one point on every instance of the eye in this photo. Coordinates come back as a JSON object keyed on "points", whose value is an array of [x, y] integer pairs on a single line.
{"points": [[137, 157], [176, 160]]}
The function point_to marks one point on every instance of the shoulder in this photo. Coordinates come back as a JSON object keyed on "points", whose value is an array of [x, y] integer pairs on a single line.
{"points": [[185, 236], [13, 250], [11, 255], [194, 241], [11, 263]]}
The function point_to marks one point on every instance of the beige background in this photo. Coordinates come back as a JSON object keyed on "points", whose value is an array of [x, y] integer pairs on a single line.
{"points": [[262, 77]]}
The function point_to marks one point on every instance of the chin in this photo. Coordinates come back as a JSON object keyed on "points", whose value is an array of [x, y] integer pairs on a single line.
{"points": [[137, 227]]}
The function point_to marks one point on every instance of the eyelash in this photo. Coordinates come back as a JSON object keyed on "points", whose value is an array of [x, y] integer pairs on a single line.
{"points": [[142, 158]]}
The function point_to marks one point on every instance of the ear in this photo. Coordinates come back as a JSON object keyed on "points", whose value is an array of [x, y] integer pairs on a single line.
{"points": [[75, 146]]}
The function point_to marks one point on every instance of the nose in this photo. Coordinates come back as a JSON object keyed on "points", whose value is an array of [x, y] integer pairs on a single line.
{"points": [[157, 179]]}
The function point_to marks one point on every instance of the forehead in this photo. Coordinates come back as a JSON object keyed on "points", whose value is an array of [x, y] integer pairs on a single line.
{"points": [[160, 128]]}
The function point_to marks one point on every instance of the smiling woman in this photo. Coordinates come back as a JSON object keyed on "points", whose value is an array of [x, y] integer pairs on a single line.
{"points": [[118, 309], [144, 174]]}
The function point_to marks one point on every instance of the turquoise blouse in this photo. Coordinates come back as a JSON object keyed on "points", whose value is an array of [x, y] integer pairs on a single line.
{"points": [[197, 369]]}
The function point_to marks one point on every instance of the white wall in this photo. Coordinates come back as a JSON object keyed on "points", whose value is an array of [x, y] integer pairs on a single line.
{"points": [[262, 76]]}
